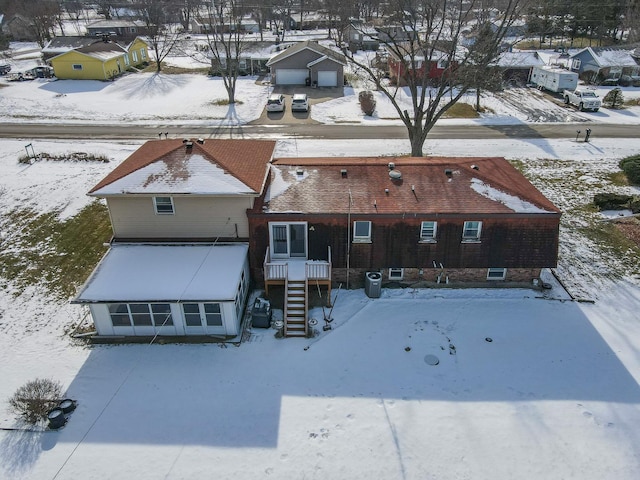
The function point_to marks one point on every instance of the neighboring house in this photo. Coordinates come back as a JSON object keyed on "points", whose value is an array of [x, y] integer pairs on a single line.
{"points": [[435, 65], [361, 37], [252, 60], [19, 28], [178, 262], [605, 65], [128, 29], [516, 67], [195, 222], [100, 60], [202, 26], [308, 63]]}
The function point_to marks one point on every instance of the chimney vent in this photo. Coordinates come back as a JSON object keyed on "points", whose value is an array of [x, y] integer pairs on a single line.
{"points": [[448, 172], [189, 145], [200, 141], [391, 165], [475, 167], [343, 173]]}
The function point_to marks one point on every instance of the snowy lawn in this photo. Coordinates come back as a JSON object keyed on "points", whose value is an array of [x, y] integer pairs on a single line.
{"points": [[554, 394]]}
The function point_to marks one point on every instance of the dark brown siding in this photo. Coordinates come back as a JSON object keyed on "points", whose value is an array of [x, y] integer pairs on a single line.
{"points": [[517, 241]]}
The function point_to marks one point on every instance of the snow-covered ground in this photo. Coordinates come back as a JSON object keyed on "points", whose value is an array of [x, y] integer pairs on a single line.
{"points": [[553, 395]]}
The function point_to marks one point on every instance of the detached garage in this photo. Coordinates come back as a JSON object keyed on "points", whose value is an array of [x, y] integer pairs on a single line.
{"points": [[308, 62], [171, 290]]}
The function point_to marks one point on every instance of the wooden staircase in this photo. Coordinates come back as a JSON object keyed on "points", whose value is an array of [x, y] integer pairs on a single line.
{"points": [[295, 308]]}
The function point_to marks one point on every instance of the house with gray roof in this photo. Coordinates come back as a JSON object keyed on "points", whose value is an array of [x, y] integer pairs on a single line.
{"points": [[308, 63]]}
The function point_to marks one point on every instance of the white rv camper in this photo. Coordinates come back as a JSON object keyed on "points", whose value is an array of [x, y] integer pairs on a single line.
{"points": [[554, 79]]}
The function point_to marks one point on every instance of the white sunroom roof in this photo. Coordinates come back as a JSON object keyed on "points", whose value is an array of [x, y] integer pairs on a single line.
{"points": [[168, 273]]}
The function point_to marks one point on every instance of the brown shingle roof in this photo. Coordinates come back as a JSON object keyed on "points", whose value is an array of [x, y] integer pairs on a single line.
{"points": [[425, 187], [246, 160]]}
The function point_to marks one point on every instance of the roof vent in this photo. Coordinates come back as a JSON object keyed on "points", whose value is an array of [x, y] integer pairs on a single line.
{"points": [[343, 173], [448, 172], [299, 171], [395, 174], [391, 165], [189, 145], [200, 141], [475, 167]]}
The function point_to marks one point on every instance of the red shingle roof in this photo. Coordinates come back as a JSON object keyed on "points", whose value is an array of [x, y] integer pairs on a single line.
{"points": [[246, 160], [428, 185]]}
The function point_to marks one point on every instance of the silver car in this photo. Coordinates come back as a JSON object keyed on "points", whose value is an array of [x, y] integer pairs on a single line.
{"points": [[300, 103], [275, 103]]}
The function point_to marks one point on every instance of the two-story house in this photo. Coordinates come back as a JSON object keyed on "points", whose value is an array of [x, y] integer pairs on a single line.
{"points": [[178, 262], [194, 221]]}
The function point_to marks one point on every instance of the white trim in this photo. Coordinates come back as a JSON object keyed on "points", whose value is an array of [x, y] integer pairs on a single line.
{"points": [[469, 238], [432, 238], [288, 239]]}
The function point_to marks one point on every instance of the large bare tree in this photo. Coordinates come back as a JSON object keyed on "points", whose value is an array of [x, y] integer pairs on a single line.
{"points": [[225, 39], [163, 34], [456, 35]]}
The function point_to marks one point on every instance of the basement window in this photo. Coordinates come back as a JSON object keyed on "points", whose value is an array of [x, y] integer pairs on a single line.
{"points": [[163, 205], [496, 274], [396, 273]]}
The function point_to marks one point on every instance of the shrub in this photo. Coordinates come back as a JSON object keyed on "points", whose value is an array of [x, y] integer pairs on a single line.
{"points": [[367, 102], [611, 201], [631, 167], [33, 400], [634, 204], [614, 99]]}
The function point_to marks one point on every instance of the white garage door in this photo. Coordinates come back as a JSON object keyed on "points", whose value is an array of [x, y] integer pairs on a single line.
{"points": [[291, 76], [327, 78]]}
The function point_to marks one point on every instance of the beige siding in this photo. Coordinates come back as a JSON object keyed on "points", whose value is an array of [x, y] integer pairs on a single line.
{"points": [[194, 217]]}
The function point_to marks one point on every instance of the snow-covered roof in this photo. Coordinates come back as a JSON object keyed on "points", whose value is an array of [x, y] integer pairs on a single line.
{"points": [[131, 273], [211, 167], [606, 57], [518, 59]]}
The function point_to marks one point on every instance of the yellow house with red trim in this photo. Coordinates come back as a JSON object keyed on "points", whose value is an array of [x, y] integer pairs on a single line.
{"points": [[102, 60]]}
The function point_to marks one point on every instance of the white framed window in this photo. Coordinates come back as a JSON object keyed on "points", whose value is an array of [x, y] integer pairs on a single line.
{"points": [[126, 59], [361, 231], [471, 231], [140, 314], [163, 205], [428, 231], [143, 53], [496, 274], [443, 63], [77, 66], [575, 64], [396, 273], [134, 56], [202, 314]]}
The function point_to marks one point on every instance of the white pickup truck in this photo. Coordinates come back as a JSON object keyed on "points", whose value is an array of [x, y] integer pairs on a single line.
{"points": [[583, 99]]}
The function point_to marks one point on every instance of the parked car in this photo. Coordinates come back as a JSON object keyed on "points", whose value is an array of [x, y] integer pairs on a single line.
{"points": [[300, 102], [275, 103], [4, 69], [21, 76], [42, 71]]}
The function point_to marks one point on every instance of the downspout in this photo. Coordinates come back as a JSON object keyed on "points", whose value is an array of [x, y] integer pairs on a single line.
{"points": [[348, 236]]}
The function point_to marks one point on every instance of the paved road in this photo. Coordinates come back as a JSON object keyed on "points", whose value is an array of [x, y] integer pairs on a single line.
{"points": [[342, 131]]}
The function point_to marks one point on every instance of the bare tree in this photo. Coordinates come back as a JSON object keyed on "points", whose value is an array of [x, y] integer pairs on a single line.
{"points": [[105, 8], [163, 36], [43, 16], [423, 34], [225, 38]]}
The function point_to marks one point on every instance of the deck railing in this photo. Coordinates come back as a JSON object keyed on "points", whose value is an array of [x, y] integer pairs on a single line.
{"points": [[314, 269]]}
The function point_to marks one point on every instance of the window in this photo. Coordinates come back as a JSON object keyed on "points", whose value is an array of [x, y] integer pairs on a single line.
{"points": [[396, 273], [161, 313], [143, 53], [163, 205], [191, 314], [443, 63], [76, 66], [576, 64], [496, 274], [471, 231], [140, 314], [361, 232], [119, 315], [428, 231], [126, 59], [134, 56], [212, 314]]}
